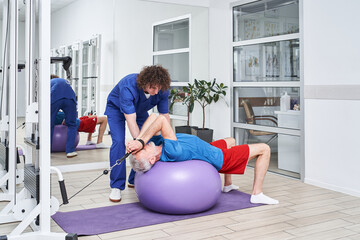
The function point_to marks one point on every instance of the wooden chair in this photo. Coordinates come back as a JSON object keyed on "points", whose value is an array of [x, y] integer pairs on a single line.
{"points": [[251, 119]]}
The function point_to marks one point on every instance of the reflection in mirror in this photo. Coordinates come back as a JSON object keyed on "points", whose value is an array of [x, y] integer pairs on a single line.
{"points": [[106, 48]]}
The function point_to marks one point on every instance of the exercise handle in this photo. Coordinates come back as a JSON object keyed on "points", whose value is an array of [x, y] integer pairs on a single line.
{"points": [[63, 192]]}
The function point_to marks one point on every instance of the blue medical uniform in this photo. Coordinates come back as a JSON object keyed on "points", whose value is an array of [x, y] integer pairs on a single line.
{"points": [[126, 97], [63, 97], [188, 147]]}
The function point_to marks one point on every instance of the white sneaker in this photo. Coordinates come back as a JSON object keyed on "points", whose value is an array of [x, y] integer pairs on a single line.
{"points": [[230, 188], [90, 143], [102, 145], [262, 198], [71, 154], [115, 195]]}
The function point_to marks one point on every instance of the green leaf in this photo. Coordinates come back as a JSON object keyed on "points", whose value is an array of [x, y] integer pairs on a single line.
{"points": [[171, 105], [191, 107]]}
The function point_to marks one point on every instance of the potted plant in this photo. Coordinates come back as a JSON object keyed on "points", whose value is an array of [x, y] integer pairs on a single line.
{"points": [[187, 97], [206, 93]]}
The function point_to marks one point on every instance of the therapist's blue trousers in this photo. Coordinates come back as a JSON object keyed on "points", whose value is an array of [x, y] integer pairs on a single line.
{"points": [[116, 121], [69, 108]]}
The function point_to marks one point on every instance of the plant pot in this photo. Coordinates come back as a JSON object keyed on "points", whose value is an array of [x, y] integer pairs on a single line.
{"points": [[205, 134], [183, 129]]}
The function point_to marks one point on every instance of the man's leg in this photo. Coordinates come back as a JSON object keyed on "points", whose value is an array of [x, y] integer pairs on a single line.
{"points": [[262, 152], [69, 108], [89, 138], [228, 186], [102, 120], [230, 142], [117, 150]]}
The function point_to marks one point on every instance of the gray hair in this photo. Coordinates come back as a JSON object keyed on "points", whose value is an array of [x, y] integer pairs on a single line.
{"points": [[141, 165]]}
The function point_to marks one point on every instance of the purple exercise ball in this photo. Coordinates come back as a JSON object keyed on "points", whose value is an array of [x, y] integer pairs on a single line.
{"points": [[59, 139], [179, 187]]}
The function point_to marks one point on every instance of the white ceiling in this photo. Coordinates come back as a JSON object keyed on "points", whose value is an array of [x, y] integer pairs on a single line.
{"points": [[55, 6], [58, 4]]}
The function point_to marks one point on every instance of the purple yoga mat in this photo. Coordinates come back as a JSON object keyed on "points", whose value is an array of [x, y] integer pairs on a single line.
{"points": [[125, 216], [85, 147]]}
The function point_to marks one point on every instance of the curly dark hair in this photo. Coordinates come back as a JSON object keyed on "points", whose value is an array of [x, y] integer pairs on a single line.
{"points": [[154, 75]]}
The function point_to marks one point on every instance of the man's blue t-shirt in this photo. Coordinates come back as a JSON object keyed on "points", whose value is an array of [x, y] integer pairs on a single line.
{"points": [[130, 99], [188, 147], [60, 116], [60, 88]]}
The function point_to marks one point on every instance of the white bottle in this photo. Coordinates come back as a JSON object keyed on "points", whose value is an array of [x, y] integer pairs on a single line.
{"points": [[285, 102]]}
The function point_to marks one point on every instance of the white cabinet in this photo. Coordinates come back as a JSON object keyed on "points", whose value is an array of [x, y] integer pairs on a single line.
{"points": [[289, 146]]}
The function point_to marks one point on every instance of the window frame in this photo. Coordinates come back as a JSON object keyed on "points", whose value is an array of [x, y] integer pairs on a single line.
{"points": [[299, 84], [174, 51]]}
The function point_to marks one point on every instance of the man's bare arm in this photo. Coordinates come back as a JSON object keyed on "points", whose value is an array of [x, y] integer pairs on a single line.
{"points": [[159, 124], [162, 124], [148, 123], [167, 116], [132, 125]]}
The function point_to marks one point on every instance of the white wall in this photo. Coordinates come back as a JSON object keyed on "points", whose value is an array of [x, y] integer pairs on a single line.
{"points": [[332, 94], [133, 35], [133, 38], [80, 21], [220, 39]]}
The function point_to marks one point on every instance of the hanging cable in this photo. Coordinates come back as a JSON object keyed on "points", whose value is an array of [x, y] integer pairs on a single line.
{"points": [[105, 172]]}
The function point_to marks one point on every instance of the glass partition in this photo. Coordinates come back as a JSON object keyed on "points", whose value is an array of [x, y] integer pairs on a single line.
{"points": [[265, 19], [177, 65], [178, 108], [171, 49], [267, 80], [274, 61], [171, 35], [285, 150], [262, 105]]}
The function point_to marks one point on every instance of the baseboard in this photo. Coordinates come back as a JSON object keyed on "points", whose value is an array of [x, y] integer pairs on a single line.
{"points": [[332, 187]]}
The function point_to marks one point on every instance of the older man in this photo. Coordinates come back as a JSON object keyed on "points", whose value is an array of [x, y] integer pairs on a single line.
{"points": [[171, 147]]}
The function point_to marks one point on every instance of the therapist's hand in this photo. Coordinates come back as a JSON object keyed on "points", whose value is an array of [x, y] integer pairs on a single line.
{"points": [[133, 146]]}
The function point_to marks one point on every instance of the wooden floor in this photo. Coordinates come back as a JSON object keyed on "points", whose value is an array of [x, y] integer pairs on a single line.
{"points": [[304, 212]]}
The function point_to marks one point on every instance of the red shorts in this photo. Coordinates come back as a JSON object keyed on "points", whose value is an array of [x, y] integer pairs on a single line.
{"points": [[235, 158], [87, 124]]}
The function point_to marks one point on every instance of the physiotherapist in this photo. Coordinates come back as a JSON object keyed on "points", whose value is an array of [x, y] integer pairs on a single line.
{"points": [[63, 97], [130, 100]]}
